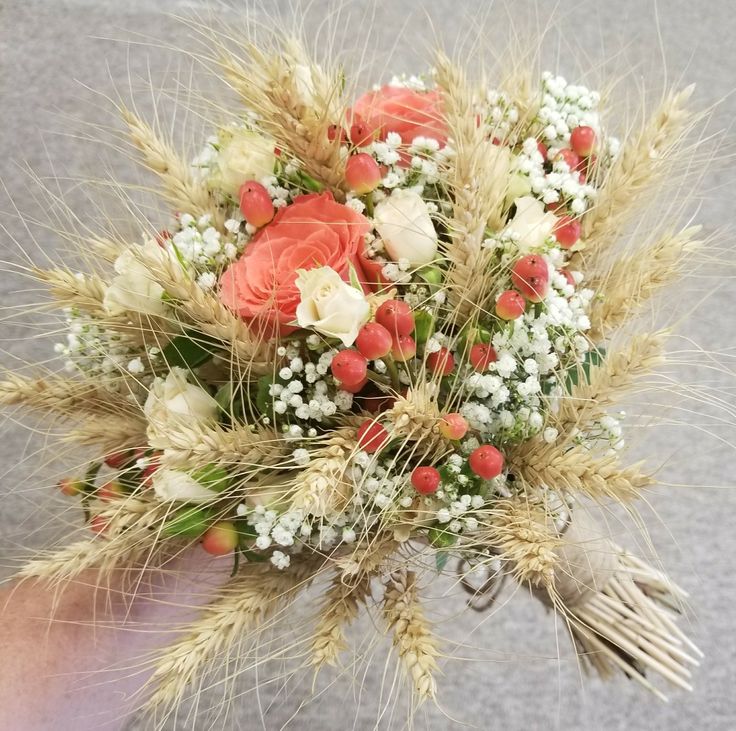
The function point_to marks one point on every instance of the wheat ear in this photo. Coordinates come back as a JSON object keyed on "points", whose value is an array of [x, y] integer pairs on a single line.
{"points": [[609, 381], [478, 190], [109, 433], [266, 83], [205, 311], [245, 603], [634, 279], [416, 645], [340, 609], [367, 557], [62, 397], [179, 188], [642, 159]]}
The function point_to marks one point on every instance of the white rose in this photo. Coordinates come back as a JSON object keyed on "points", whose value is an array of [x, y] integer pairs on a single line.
{"points": [[531, 223], [175, 398], [175, 485], [134, 288], [403, 222], [243, 155], [329, 305]]}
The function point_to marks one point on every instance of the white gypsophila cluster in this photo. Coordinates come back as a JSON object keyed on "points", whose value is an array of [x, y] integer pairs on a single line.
{"points": [[200, 246], [508, 399], [407, 81], [102, 353], [563, 107], [306, 391], [500, 113], [603, 434], [206, 158], [559, 184]]}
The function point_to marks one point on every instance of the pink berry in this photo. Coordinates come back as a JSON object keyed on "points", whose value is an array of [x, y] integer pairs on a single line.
{"points": [[453, 426], [396, 316], [403, 348], [70, 487], [220, 538], [486, 462], [441, 362], [482, 355], [372, 436], [510, 305], [110, 491], [567, 231], [582, 140], [98, 524], [349, 367], [354, 387], [362, 173], [571, 158], [116, 460], [425, 480], [373, 341], [543, 151], [256, 204], [333, 132], [530, 276]]}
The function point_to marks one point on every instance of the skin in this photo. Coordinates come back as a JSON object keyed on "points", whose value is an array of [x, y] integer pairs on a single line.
{"points": [[77, 655]]}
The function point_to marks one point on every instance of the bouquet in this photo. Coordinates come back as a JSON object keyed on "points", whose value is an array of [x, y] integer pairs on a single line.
{"points": [[381, 338]]}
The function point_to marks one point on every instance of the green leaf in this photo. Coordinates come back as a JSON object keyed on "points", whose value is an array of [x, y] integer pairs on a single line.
{"points": [[354, 281], [423, 326], [593, 358], [189, 522], [440, 537], [190, 350], [213, 477], [440, 559], [308, 182], [263, 397]]}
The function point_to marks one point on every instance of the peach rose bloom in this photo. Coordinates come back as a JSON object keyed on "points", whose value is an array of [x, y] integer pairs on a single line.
{"points": [[314, 231], [407, 112]]}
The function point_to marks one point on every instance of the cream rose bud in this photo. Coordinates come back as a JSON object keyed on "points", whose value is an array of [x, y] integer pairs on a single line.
{"points": [[175, 396], [403, 222], [531, 223], [329, 305], [243, 155], [134, 289], [176, 485]]}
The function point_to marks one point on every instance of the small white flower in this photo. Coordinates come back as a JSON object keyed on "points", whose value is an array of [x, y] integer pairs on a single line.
{"points": [[280, 560]]}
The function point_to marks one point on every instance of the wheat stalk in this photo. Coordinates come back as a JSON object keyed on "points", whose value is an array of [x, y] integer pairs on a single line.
{"points": [[640, 162], [266, 83], [341, 606], [412, 637], [634, 279], [180, 189], [245, 603]]}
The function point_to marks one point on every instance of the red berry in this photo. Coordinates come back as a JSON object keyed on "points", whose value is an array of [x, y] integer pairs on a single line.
{"points": [[571, 158], [354, 387], [510, 305], [220, 538], [441, 362], [360, 133], [570, 279], [453, 426], [530, 276], [486, 462], [567, 231], [372, 436], [349, 367], [426, 480], [116, 460], [373, 341], [256, 204], [482, 355], [362, 173], [543, 151], [333, 132], [403, 348], [396, 316], [70, 487], [582, 140]]}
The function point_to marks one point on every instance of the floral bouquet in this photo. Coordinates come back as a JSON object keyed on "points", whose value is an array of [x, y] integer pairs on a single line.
{"points": [[381, 338]]}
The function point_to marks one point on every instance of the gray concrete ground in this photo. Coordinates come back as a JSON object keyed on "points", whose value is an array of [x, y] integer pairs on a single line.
{"points": [[54, 52]]}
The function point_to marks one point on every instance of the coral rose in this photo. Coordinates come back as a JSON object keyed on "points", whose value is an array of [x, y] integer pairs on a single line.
{"points": [[407, 112], [314, 231]]}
